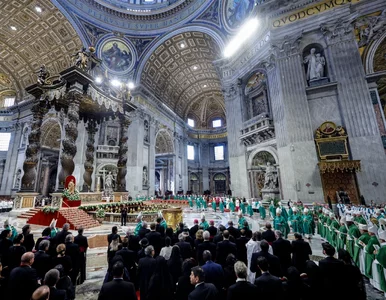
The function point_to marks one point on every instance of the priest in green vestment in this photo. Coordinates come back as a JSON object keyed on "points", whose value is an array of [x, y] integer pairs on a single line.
{"points": [[279, 223], [380, 256], [342, 235], [139, 224], [334, 226], [296, 221], [272, 210], [369, 251], [353, 233], [360, 243], [307, 222], [204, 223], [261, 210]]}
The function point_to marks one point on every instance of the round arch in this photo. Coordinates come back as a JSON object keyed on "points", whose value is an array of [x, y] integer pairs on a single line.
{"points": [[163, 142], [211, 31], [268, 149], [51, 134], [370, 54]]}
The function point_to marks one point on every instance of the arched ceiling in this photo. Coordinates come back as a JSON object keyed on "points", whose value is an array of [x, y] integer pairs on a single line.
{"points": [[51, 135], [181, 74], [40, 38], [163, 143]]}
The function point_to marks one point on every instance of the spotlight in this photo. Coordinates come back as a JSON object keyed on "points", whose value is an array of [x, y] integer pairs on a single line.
{"points": [[195, 68], [38, 9], [131, 85], [241, 37], [98, 80], [182, 45], [13, 28], [115, 82], [204, 86]]}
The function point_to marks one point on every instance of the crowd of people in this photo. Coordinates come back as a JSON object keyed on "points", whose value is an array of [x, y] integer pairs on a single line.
{"points": [[207, 261], [48, 268], [223, 262]]}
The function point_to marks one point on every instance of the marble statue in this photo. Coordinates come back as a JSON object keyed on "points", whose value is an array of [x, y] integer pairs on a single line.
{"points": [[43, 74], [144, 176], [17, 179], [109, 181], [315, 65], [81, 59], [270, 181]]}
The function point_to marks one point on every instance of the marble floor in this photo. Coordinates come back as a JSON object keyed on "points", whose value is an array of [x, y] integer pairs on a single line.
{"points": [[97, 260]]}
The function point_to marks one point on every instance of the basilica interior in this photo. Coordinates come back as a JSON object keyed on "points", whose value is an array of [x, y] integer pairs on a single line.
{"points": [[194, 97], [147, 100]]}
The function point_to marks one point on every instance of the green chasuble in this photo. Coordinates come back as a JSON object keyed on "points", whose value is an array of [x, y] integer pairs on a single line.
{"points": [[242, 207], [364, 238], [272, 211], [250, 210], [369, 255], [279, 223], [307, 220], [137, 228], [241, 223], [360, 220], [164, 224], [262, 211], [284, 213], [204, 225], [381, 258], [214, 205], [327, 230], [232, 206], [353, 232], [333, 226], [341, 237], [296, 223], [221, 206]]}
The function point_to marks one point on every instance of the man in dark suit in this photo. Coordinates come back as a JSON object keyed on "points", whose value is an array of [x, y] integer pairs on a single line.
{"points": [[146, 268], [51, 278], [224, 248], [61, 236], [123, 216], [117, 289], [212, 229], [218, 238], [42, 261], [332, 270], [143, 231], [129, 259], [154, 238], [268, 234], [185, 247], [268, 286], [82, 243], [72, 250], [205, 245], [232, 230], [273, 261], [29, 241], [241, 246], [282, 249], [133, 240], [301, 252], [202, 290], [193, 230], [242, 289], [213, 272], [23, 280]]}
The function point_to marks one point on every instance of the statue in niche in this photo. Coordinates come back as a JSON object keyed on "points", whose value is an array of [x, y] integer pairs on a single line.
{"points": [[24, 138], [315, 65], [144, 176], [109, 181], [270, 179], [17, 179], [179, 181], [146, 133], [43, 74]]}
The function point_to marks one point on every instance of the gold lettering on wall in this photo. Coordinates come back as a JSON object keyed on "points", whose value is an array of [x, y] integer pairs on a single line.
{"points": [[310, 11]]}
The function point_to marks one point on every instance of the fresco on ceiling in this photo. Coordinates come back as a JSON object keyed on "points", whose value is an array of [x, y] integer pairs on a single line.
{"points": [[116, 56], [236, 11]]}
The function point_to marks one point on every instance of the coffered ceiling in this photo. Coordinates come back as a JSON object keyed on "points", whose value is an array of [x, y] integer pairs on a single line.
{"points": [[30, 38], [180, 72]]}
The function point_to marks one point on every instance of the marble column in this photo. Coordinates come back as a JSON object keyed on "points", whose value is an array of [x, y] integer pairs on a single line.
{"points": [[90, 151], [69, 143], [124, 123], [46, 183], [356, 109], [152, 134], [28, 182], [236, 149], [293, 128], [185, 175]]}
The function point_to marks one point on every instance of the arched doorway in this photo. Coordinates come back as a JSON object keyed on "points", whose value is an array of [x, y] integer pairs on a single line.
{"points": [[219, 183], [256, 171], [194, 183], [164, 163], [101, 173]]}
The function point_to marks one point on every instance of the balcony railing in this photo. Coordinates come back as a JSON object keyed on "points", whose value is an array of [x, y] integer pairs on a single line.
{"points": [[106, 151], [257, 130]]}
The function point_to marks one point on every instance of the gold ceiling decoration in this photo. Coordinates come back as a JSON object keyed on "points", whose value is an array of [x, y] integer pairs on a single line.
{"points": [[40, 38], [340, 166], [180, 72]]}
